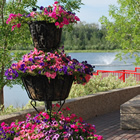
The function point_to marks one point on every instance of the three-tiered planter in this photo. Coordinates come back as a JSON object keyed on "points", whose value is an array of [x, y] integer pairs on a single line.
{"points": [[47, 73]]}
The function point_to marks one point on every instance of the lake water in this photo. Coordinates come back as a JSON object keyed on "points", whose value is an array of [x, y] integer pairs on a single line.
{"points": [[102, 61]]}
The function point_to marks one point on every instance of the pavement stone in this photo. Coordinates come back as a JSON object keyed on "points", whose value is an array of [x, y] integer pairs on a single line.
{"points": [[108, 125]]}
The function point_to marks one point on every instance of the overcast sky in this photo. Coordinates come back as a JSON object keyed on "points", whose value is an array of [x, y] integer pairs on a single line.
{"points": [[91, 11]]}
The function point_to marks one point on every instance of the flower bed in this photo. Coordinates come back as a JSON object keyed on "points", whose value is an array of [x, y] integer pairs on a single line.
{"points": [[42, 127]]}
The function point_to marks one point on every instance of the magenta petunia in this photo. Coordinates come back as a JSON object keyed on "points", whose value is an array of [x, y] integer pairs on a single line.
{"points": [[52, 14]]}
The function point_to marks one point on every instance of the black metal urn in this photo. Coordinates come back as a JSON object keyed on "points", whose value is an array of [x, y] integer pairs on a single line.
{"points": [[41, 89], [45, 36]]}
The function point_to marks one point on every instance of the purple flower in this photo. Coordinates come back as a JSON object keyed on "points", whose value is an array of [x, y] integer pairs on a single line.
{"points": [[69, 12], [22, 67], [39, 72], [31, 59], [45, 120], [34, 9], [42, 64], [56, 69], [28, 15], [72, 67], [60, 70], [7, 72], [41, 8], [14, 65], [78, 69], [23, 15], [65, 69]]}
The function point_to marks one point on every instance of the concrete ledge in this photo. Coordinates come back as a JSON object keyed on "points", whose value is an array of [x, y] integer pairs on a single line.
{"points": [[88, 106], [130, 114]]}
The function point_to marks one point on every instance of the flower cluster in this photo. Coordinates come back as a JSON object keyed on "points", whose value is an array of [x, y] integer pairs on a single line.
{"points": [[50, 64], [52, 14], [41, 127]]}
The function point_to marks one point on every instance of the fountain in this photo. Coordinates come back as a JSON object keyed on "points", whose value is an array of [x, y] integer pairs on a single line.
{"points": [[108, 59], [105, 59]]}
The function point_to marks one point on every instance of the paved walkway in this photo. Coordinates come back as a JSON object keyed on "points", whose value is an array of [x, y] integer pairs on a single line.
{"points": [[108, 126]]}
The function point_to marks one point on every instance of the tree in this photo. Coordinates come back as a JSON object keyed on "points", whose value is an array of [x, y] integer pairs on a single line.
{"points": [[18, 38], [10, 39], [125, 28]]}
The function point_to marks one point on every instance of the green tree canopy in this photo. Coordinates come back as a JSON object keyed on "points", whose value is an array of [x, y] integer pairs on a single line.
{"points": [[124, 29], [9, 40]]}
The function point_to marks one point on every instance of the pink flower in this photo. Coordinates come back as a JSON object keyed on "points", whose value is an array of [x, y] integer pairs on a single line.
{"points": [[13, 124], [53, 15], [33, 67], [33, 126], [28, 125], [19, 15], [13, 27], [61, 25], [65, 139], [57, 105], [48, 74], [53, 75], [18, 25], [45, 115], [76, 130], [55, 2], [67, 108], [98, 137], [28, 115], [60, 127], [64, 132], [65, 21], [32, 14], [56, 23], [67, 119], [73, 126], [83, 130], [46, 11], [2, 124], [8, 20], [77, 19]]}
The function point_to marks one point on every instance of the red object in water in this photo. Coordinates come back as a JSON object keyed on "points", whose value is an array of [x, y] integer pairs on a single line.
{"points": [[121, 74]]}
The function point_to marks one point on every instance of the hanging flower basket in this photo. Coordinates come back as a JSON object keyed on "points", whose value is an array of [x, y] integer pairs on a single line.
{"points": [[41, 89], [46, 36]]}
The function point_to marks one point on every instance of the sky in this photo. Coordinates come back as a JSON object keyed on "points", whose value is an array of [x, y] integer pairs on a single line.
{"points": [[91, 11]]}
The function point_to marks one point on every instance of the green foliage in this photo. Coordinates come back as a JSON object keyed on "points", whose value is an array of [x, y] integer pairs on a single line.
{"points": [[97, 84], [71, 5], [124, 30], [9, 40], [86, 36]]}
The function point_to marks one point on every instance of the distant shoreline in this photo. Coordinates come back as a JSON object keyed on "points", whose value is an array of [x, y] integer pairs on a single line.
{"points": [[73, 51]]}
